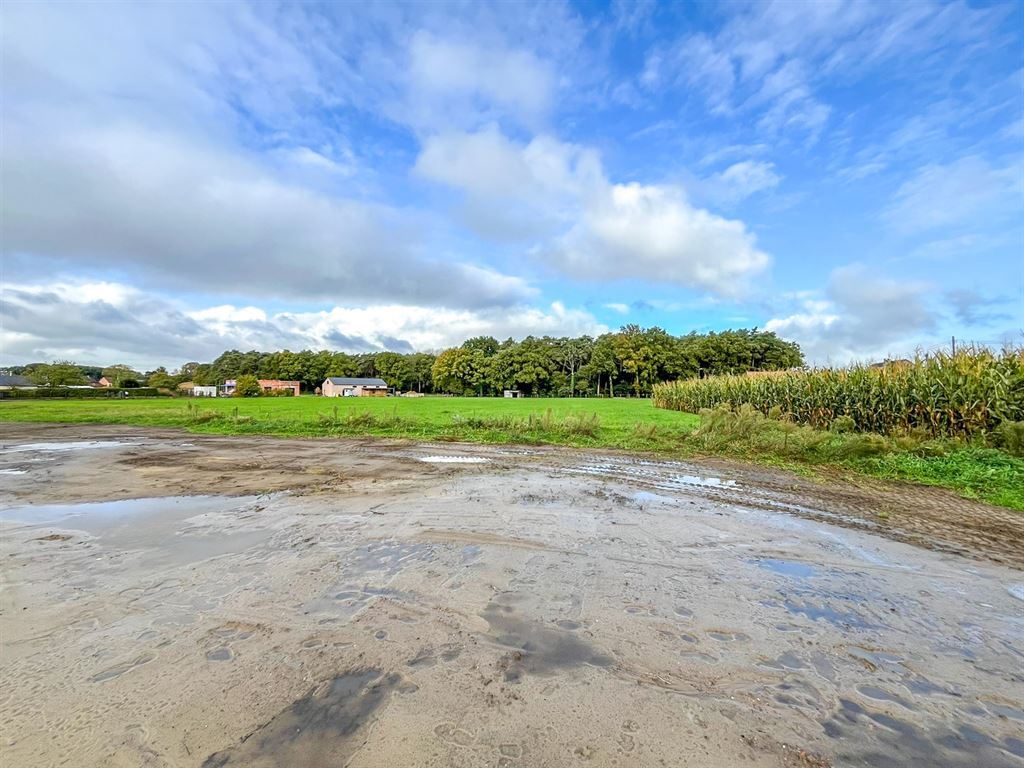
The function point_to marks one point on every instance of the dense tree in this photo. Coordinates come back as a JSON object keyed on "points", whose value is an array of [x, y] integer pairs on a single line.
{"points": [[247, 385], [456, 370], [627, 362], [122, 376], [59, 373], [161, 378]]}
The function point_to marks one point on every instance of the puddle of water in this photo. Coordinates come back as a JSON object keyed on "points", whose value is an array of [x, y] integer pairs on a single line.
{"points": [[880, 694], [831, 615], [1017, 590], [389, 557], [646, 497], [788, 567], [101, 514], [317, 729], [537, 648], [220, 654], [13, 471], [711, 482], [341, 606], [653, 476], [150, 524], [453, 459], [77, 445], [787, 661]]}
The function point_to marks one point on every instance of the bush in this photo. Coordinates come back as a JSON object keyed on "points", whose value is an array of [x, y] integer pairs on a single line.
{"points": [[1010, 437], [842, 424], [248, 386], [71, 393]]}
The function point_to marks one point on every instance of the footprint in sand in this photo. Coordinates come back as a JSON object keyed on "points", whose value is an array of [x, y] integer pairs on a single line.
{"points": [[452, 734]]}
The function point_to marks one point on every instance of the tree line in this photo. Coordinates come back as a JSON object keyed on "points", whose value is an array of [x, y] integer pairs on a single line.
{"points": [[629, 361]]}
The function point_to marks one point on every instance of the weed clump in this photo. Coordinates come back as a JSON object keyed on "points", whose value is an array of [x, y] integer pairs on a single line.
{"points": [[1010, 437], [534, 427]]}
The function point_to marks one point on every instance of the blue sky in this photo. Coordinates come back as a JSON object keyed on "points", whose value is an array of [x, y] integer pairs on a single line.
{"points": [[184, 178]]}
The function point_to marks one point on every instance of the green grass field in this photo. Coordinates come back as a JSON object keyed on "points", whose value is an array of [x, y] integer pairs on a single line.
{"points": [[627, 424]]}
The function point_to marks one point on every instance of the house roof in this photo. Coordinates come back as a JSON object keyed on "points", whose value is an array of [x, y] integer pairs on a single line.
{"points": [[344, 382], [15, 381]]}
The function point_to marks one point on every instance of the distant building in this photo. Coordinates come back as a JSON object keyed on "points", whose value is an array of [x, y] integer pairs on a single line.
{"points": [[13, 381], [269, 385], [227, 389], [337, 386], [513, 393], [105, 382], [201, 391]]}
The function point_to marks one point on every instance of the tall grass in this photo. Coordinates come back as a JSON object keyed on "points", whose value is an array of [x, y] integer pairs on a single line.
{"points": [[968, 395]]}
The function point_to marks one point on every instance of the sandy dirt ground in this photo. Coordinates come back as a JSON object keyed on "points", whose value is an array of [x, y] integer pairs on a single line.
{"points": [[169, 599]]}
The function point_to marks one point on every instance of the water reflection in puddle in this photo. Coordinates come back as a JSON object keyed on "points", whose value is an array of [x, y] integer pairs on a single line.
{"points": [[77, 445], [453, 459], [102, 513], [788, 567]]}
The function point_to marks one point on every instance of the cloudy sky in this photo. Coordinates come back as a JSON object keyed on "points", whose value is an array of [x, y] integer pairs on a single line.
{"points": [[184, 178]]}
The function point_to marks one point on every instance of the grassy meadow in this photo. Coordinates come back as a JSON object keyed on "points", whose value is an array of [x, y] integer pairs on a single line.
{"points": [[969, 468]]}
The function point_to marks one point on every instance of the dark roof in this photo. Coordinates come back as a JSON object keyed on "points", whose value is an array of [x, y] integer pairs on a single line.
{"points": [[16, 381], [336, 380]]}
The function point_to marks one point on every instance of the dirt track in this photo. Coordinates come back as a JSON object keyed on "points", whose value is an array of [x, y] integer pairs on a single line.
{"points": [[281, 602]]}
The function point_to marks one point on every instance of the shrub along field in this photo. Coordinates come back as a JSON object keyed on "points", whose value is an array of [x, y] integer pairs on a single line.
{"points": [[622, 423]]}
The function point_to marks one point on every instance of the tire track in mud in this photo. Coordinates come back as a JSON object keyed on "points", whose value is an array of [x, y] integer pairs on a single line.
{"points": [[924, 516]]}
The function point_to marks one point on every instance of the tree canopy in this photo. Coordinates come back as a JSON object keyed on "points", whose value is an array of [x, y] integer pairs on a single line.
{"points": [[626, 362]]}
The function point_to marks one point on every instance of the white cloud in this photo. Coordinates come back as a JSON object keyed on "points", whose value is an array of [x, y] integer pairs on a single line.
{"points": [[622, 309], [740, 181], [653, 233], [769, 58], [863, 316], [203, 219], [968, 190], [458, 82], [109, 322], [603, 231]]}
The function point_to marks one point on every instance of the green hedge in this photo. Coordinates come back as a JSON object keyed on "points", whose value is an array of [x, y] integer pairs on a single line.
{"points": [[68, 393]]}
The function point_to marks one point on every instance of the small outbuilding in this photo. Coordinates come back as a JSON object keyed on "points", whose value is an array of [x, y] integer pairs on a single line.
{"points": [[338, 386], [200, 391], [513, 393]]}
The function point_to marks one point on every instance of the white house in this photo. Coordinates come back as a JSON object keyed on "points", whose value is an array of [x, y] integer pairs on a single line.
{"points": [[337, 386]]}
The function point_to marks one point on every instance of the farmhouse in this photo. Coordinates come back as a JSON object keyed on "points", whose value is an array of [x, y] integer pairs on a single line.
{"points": [[105, 382], [227, 389], [8, 381], [341, 387]]}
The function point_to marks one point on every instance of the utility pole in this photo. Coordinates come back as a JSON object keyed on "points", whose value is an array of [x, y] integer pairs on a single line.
{"points": [[954, 346]]}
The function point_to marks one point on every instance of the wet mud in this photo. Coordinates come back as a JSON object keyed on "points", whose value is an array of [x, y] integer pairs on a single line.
{"points": [[173, 600]]}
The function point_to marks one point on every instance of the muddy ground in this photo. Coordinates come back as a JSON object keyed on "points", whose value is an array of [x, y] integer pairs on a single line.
{"points": [[170, 599]]}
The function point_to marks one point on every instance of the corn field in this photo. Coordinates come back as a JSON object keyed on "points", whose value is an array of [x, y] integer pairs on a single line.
{"points": [[963, 395]]}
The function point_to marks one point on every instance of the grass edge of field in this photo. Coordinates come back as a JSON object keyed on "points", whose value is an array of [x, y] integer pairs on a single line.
{"points": [[967, 462]]}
